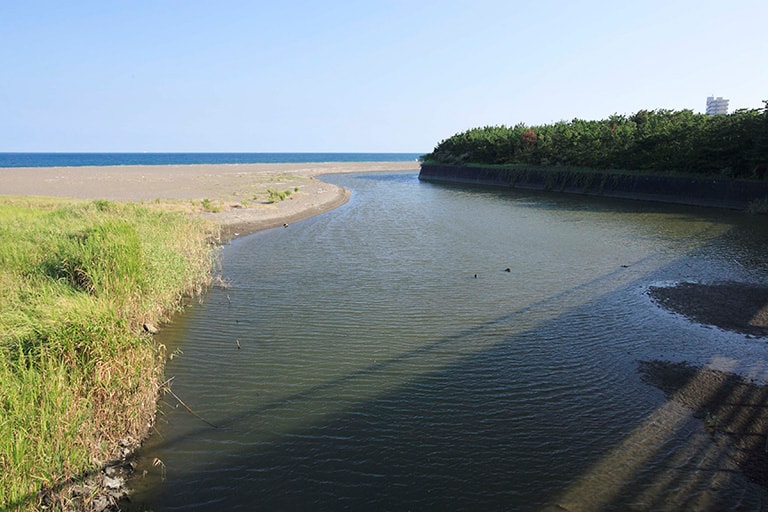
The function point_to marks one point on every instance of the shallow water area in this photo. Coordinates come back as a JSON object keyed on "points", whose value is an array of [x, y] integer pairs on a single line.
{"points": [[433, 347]]}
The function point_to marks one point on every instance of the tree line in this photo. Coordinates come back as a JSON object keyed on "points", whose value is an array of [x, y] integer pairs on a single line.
{"points": [[660, 141]]}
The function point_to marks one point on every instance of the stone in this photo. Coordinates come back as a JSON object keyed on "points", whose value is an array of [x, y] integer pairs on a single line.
{"points": [[113, 482]]}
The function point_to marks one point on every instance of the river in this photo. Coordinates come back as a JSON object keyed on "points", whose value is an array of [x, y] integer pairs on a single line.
{"points": [[428, 347]]}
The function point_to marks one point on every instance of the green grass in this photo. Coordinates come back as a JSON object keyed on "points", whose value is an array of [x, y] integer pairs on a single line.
{"points": [[209, 206], [77, 373], [275, 196]]}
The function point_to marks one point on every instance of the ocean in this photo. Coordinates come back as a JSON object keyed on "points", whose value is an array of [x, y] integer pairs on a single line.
{"points": [[104, 159]]}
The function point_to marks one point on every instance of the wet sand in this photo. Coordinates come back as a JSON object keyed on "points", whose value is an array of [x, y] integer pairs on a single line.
{"points": [[733, 409], [738, 307], [234, 195]]}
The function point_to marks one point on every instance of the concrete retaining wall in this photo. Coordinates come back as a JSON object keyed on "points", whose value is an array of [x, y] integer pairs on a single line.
{"points": [[712, 192]]}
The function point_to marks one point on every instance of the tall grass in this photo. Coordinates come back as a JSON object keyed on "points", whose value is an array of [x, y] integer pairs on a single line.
{"points": [[78, 375]]}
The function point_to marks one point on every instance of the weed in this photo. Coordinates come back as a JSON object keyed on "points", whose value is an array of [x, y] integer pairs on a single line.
{"points": [[274, 196], [77, 372], [209, 206]]}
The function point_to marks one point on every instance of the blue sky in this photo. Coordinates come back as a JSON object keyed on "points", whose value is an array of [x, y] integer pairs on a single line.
{"points": [[236, 75]]}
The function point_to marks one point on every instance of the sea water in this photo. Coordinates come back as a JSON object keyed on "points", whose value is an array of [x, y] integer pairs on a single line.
{"points": [[104, 159]]}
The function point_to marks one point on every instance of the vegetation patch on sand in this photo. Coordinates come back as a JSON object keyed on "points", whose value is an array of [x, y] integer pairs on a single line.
{"points": [[79, 373]]}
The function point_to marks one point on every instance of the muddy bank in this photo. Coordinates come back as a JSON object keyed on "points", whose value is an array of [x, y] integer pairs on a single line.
{"points": [[738, 307], [734, 410]]}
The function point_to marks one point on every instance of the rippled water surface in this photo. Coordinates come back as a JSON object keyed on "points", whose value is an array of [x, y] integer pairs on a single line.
{"points": [[435, 348]]}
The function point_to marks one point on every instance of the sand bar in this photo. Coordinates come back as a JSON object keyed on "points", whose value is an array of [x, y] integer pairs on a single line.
{"points": [[237, 191]]}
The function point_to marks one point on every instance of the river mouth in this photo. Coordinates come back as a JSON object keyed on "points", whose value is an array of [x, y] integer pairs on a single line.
{"points": [[431, 347]]}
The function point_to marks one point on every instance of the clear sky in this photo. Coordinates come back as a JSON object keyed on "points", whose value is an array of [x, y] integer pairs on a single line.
{"points": [[362, 75]]}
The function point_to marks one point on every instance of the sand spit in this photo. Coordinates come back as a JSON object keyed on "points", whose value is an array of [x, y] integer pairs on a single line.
{"points": [[234, 195]]}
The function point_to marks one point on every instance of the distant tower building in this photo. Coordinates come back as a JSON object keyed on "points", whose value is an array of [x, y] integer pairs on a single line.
{"points": [[716, 106]]}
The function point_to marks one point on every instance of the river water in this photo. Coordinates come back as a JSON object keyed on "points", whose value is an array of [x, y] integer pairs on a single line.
{"points": [[427, 347]]}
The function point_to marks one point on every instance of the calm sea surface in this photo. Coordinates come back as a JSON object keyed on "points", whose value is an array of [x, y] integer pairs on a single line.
{"points": [[99, 159], [389, 361]]}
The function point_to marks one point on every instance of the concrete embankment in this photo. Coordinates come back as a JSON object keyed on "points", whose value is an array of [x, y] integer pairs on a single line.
{"points": [[710, 192]]}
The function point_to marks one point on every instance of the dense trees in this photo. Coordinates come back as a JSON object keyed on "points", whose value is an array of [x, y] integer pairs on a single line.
{"points": [[665, 141]]}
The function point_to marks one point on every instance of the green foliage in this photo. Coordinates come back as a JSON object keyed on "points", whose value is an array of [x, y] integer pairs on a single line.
{"points": [[105, 259], [274, 196], [210, 206], [734, 145], [77, 374]]}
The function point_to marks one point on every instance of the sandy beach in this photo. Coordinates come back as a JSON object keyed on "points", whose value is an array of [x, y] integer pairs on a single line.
{"points": [[234, 195]]}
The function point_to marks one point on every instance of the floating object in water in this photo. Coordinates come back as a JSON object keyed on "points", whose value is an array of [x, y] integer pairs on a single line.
{"points": [[507, 269]]}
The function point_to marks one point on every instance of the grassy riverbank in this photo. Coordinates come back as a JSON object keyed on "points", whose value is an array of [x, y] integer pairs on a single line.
{"points": [[78, 373]]}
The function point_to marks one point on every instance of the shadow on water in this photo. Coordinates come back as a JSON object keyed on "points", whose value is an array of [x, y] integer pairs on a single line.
{"points": [[418, 353], [703, 449], [649, 451], [663, 454], [669, 458]]}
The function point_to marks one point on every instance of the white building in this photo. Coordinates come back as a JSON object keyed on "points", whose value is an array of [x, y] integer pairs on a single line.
{"points": [[716, 106]]}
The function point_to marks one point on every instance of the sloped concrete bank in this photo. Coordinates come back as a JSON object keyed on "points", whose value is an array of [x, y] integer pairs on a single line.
{"points": [[710, 192]]}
